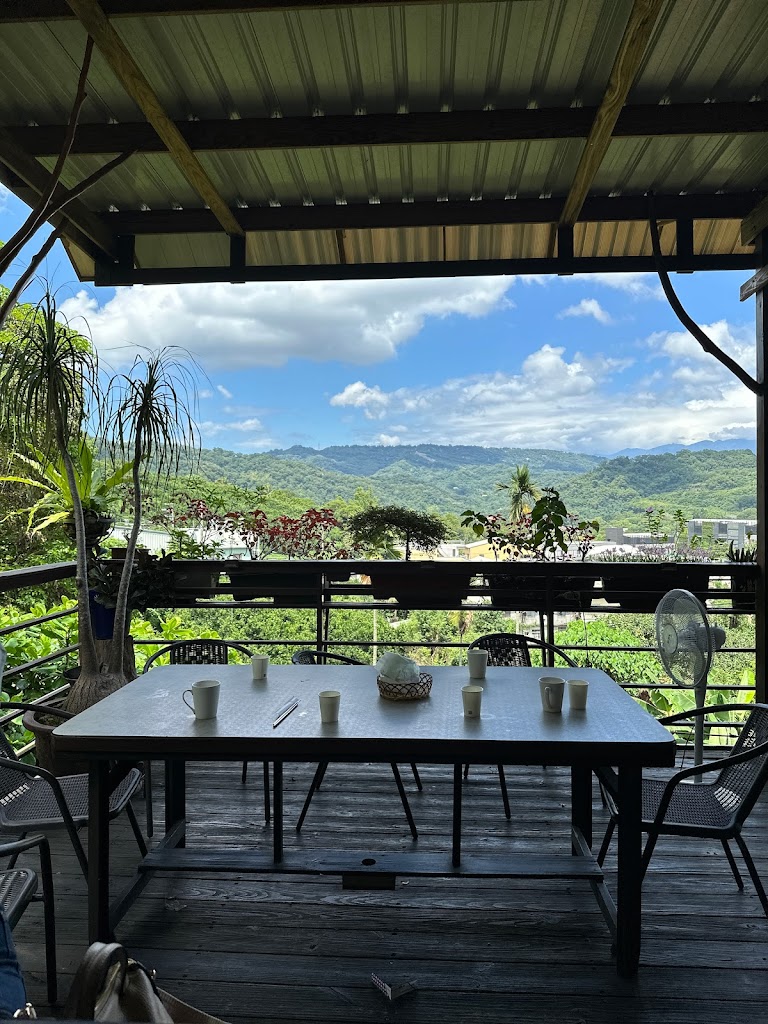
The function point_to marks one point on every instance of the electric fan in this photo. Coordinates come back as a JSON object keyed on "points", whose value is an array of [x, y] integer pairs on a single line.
{"points": [[686, 642]]}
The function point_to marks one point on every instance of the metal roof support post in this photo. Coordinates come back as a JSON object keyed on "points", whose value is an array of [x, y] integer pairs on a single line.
{"points": [[761, 595]]}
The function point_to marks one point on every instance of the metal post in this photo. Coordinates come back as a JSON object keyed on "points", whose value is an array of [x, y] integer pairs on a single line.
{"points": [[761, 590]]}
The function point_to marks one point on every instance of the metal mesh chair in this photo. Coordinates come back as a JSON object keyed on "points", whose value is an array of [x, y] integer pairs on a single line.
{"points": [[510, 650], [31, 798], [710, 810], [322, 658], [18, 888], [201, 652]]}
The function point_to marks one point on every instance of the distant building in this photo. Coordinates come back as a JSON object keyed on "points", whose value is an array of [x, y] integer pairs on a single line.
{"points": [[743, 532], [616, 535]]}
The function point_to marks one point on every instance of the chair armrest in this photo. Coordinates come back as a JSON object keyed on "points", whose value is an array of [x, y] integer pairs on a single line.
{"points": [[21, 845], [711, 709], [703, 769], [33, 771], [12, 705]]}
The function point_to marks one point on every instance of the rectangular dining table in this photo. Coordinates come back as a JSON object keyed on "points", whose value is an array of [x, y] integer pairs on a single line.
{"points": [[147, 720]]}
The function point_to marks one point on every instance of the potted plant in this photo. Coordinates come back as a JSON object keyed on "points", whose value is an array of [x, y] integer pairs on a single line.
{"points": [[314, 535], [54, 504], [50, 393], [744, 590], [388, 527], [547, 533], [153, 585], [195, 532]]}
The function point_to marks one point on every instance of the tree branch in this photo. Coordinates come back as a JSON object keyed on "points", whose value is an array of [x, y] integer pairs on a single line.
{"points": [[40, 210], [13, 295], [688, 322]]}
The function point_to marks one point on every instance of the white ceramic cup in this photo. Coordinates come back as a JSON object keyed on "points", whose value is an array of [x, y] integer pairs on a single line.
{"points": [[205, 698], [477, 660], [578, 690], [329, 706], [552, 689], [259, 665], [472, 696]]}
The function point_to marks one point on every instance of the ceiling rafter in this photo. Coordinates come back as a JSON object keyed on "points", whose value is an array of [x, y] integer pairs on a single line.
{"points": [[28, 179], [128, 73], [351, 216], [57, 10], [637, 34], [458, 126]]}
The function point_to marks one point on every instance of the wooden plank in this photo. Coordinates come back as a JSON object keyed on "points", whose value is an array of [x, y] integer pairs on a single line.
{"points": [[384, 129], [637, 34], [34, 575], [86, 229], [127, 71], [755, 222], [22, 11], [756, 283]]}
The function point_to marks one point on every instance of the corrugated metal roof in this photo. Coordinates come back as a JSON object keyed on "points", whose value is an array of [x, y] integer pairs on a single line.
{"points": [[415, 58]]}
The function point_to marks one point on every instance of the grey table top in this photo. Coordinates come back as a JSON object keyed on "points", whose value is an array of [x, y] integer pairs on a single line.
{"points": [[148, 718]]}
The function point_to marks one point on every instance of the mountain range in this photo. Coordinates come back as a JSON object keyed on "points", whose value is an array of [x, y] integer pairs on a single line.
{"points": [[704, 480]]}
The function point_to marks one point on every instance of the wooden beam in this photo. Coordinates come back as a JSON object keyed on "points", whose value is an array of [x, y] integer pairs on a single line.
{"points": [[111, 275], [754, 223], [97, 25], [516, 125], [56, 10], [349, 216], [637, 33], [757, 283], [28, 180]]}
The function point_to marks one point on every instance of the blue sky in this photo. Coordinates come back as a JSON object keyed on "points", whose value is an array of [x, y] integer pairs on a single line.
{"points": [[588, 363]]}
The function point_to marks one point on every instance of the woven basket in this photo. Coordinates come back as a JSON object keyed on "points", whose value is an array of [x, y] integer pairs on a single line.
{"points": [[405, 691]]}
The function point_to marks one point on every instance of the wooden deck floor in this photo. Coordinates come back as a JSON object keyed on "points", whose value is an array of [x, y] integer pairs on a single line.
{"points": [[275, 949]]}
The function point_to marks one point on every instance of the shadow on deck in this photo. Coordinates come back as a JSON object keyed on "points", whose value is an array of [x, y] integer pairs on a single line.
{"points": [[300, 948]]}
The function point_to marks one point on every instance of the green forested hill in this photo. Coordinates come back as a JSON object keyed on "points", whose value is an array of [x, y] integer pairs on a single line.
{"points": [[706, 484]]}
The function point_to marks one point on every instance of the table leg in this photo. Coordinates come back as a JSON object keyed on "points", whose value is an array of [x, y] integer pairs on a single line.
{"points": [[175, 795], [98, 852], [277, 802], [581, 802], [630, 882], [457, 782]]}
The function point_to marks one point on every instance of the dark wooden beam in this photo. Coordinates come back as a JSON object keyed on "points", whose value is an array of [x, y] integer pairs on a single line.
{"points": [[29, 180], [110, 275], [57, 10], [332, 216], [130, 76], [254, 133], [634, 41]]}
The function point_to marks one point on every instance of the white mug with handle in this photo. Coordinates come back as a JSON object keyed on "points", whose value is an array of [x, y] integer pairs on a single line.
{"points": [[205, 698], [552, 689]]}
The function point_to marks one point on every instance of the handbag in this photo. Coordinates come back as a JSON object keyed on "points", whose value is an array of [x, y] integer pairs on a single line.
{"points": [[111, 987]]}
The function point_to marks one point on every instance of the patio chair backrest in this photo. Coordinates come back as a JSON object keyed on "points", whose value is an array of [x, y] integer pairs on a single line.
{"points": [[320, 657], [198, 652], [739, 785], [10, 780], [514, 649]]}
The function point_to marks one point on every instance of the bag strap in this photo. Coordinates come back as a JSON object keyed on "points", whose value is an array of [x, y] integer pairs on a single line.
{"points": [[91, 977]]}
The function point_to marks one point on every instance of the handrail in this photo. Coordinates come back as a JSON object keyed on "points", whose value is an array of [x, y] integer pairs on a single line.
{"points": [[28, 623]]}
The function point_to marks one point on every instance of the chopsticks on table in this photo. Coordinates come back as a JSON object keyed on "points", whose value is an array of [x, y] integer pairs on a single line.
{"points": [[285, 710]]}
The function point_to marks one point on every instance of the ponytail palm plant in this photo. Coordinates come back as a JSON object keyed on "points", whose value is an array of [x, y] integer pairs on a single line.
{"points": [[51, 395]]}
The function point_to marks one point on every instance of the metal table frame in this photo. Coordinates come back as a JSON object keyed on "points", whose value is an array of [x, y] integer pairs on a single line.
{"points": [[613, 731]]}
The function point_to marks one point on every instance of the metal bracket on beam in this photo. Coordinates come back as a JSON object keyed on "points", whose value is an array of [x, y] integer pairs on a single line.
{"points": [[237, 258], [684, 241], [565, 249]]}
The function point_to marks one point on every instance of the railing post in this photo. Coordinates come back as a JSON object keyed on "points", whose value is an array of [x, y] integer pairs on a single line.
{"points": [[761, 590]]}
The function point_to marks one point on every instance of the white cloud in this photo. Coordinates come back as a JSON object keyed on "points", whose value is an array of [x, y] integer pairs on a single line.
{"points": [[4, 196], [388, 440], [372, 401], [588, 307], [212, 428], [637, 285], [205, 393], [570, 402], [223, 391], [266, 324]]}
